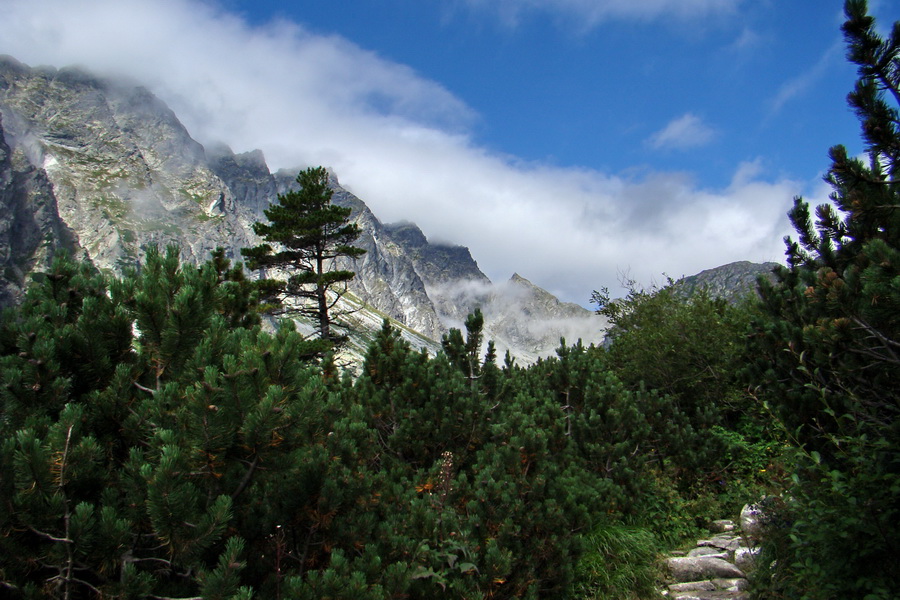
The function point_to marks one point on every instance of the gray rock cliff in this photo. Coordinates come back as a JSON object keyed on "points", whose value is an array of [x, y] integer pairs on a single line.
{"points": [[105, 169], [731, 281], [30, 228]]}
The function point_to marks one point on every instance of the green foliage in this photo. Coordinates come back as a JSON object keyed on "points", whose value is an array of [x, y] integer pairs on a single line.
{"points": [[157, 442], [238, 296], [309, 233], [710, 439], [140, 432], [487, 475], [685, 347], [827, 355]]}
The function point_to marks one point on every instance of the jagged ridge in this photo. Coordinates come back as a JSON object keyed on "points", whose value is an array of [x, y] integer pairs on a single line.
{"points": [[105, 169]]}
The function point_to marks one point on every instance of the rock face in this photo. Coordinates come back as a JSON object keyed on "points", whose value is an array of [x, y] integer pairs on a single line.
{"points": [[122, 168], [103, 168], [731, 281], [30, 227], [546, 320], [519, 316]]}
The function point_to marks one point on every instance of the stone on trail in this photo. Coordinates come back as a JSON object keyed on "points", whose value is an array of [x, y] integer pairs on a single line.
{"points": [[723, 542], [751, 520], [697, 568], [722, 526], [744, 557], [704, 595], [731, 585], [710, 551], [693, 586]]}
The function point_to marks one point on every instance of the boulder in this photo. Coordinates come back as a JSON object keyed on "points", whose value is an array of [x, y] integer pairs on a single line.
{"points": [[708, 551], [731, 585], [693, 586], [745, 557], [697, 568], [723, 540], [751, 520], [727, 543], [705, 595], [710, 585]]}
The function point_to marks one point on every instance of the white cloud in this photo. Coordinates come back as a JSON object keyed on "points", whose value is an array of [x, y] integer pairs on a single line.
{"points": [[592, 12], [400, 142], [687, 131], [806, 80]]}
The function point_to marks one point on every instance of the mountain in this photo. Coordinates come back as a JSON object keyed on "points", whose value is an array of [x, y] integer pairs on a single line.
{"points": [[731, 281], [30, 227], [103, 168], [529, 321]]}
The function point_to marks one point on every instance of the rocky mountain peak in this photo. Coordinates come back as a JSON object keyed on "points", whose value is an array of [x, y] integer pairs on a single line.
{"points": [[105, 168], [731, 281]]}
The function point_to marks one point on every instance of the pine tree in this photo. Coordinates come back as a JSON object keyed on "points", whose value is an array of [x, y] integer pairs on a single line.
{"points": [[309, 234], [828, 352], [149, 449]]}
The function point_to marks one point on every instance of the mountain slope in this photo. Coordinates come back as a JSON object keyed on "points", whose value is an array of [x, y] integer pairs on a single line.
{"points": [[530, 321], [30, 227], [731, 281], [105, 169]]}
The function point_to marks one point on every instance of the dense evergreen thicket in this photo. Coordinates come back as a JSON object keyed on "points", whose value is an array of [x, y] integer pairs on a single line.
{"points": [[158, 443]]}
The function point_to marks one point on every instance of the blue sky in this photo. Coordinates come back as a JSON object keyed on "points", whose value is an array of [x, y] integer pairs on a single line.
{"points": [[575, 142], [736, 80]]}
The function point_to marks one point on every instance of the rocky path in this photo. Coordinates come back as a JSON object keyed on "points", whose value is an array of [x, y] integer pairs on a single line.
{"points": [[716, 567]]}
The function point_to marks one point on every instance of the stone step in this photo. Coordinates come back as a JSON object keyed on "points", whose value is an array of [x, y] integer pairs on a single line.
{"points": [[704, 595], [714, 569], [710, 585], [701, 568], [722, 526]]}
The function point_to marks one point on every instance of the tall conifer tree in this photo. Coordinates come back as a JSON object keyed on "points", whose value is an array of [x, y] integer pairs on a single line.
{"points": [[829, 353], [309, 233]]}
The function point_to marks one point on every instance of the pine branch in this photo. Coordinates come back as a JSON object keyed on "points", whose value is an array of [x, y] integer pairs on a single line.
{"points": [[68, 580], [47, 536], [247, 477], [144, 388], [885, 80], [886, 341], [133, 559]]}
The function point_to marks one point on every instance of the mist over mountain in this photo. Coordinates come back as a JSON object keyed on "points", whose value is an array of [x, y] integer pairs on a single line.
{"points": [[104, 169]]}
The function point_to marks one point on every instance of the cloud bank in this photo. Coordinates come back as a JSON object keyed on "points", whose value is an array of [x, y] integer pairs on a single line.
{"points": [[402, 143]]}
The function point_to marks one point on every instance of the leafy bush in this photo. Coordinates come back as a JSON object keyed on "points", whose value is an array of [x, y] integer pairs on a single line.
{"points": [[711, 441], [156, 442]]}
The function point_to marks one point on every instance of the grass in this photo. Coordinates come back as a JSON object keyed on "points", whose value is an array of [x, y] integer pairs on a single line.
{"points": [[619, 563]]}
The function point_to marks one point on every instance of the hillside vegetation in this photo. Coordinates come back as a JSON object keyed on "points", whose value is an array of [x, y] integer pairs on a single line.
{"points": [[158, 443]]}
